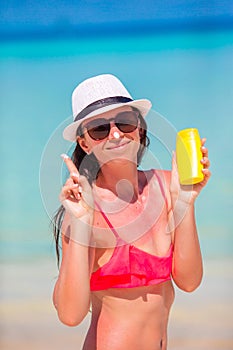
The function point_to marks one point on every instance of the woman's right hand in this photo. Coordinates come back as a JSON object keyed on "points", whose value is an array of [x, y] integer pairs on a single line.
{"points": [[76, 195]]}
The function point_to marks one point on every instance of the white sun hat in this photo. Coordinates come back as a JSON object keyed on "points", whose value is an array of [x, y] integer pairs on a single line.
{"points": [[98, 95]]}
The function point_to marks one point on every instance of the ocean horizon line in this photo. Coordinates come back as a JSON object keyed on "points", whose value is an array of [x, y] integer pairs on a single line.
{"points": [[112, 29]]}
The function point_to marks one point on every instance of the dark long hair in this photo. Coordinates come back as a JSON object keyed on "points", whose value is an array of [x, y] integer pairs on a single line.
{"points": [[88, 165]]}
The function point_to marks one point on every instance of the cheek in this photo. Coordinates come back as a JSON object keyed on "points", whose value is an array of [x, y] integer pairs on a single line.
{"points": [[135, 136], [97, 150], [87, 144], [135, 146]]}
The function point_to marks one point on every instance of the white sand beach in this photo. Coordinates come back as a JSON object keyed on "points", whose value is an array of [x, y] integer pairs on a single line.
{"points": [[202, 320]]}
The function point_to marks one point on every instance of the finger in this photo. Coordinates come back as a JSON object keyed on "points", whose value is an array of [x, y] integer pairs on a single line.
{"points": [[203, 141], [207, 175], [69, 182], [76, 191], [206, 171], [68, 191], [204, 150], [205, 161], [70, 165], [73, 179], [81, 182]]}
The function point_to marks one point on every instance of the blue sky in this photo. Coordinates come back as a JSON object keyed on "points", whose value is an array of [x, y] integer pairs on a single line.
{"points": [[26, 16]]}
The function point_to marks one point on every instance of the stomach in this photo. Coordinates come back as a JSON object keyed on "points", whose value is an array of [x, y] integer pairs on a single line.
{"points": [[132, 319]]}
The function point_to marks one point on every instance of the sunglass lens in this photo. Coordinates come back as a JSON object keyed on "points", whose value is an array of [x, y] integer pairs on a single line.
{"points": [[127, 121], [98, 129]]}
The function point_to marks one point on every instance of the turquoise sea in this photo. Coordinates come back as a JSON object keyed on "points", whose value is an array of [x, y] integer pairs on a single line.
{"points": [[187, 75]]}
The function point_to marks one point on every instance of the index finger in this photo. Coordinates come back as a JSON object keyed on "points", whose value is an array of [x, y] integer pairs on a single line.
{"points": [[203, 141], [203, 147], [70, 165]]}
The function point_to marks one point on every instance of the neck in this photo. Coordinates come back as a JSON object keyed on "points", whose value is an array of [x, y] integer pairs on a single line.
{"points": [[121, 178]]}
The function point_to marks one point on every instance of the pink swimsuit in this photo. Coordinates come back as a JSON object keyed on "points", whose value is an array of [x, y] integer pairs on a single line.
{"points": [[131, 267]]}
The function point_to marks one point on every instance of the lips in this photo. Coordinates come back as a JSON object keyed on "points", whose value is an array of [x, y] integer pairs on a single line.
{"points": [[118, 145]]}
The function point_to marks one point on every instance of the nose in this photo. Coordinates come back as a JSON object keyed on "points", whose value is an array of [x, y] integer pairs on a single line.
{"points": [[115, 133]]}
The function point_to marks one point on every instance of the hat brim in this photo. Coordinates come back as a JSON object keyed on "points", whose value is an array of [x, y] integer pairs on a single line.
{"points": [[143, 106]]}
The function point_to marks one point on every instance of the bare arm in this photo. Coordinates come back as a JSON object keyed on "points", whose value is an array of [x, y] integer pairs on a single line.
{"points": [[72, 290], [187, 260], [71, 295]]}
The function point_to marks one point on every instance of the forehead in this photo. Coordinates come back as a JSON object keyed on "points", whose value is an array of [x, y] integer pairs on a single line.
{"points": [[108, 115]]}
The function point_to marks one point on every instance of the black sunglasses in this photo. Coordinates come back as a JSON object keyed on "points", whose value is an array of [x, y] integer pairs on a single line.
{"points": [[99, 129]]}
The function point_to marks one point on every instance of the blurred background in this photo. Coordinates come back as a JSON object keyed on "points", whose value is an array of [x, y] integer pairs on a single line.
{"points": [[178, 54]]}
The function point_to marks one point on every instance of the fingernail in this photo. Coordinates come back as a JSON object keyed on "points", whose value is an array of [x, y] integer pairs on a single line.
{"points": [[64, 156]]}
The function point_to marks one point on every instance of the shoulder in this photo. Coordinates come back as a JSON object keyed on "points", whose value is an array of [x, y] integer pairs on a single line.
{"points": [[163, 177], [157, 175], [166, 175]]}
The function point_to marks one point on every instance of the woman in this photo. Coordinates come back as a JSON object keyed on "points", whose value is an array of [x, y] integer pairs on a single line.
{"points": [[125, 232]]}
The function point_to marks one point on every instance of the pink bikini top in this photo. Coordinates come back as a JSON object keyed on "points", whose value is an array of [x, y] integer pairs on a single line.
{"points": [[130, 266]]}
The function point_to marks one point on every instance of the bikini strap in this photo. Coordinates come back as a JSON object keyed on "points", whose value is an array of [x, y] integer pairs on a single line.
{"points": [[108, 221]]}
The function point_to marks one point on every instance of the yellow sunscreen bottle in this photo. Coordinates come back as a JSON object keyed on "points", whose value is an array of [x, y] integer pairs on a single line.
{"points": [[188, 156]]}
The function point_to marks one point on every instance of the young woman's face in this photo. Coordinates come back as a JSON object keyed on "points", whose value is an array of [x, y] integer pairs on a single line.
{"points": [[113, 135]]}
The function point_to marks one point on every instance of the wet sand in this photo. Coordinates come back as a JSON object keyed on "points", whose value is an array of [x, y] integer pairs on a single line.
{"points": [[202, 320]]}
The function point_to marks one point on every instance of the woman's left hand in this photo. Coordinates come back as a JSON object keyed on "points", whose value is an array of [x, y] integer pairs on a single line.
{"points": [[188, 193]]}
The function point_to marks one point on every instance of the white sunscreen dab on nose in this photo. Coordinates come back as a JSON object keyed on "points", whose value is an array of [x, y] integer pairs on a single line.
{"points": [[116, 135]]}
